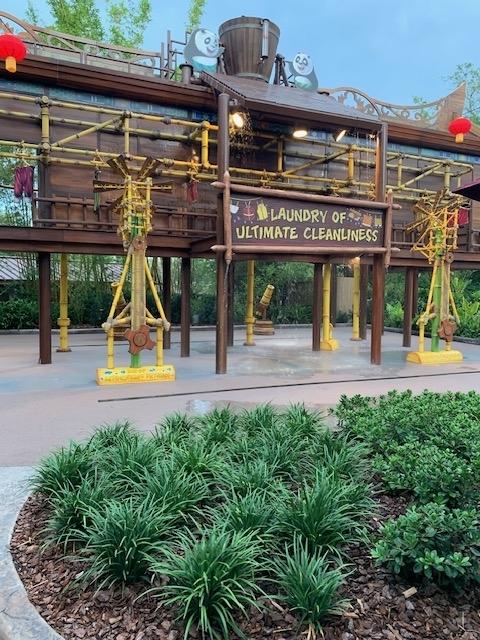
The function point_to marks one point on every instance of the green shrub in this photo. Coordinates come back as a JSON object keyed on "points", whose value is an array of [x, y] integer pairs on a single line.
{"points": [[218, 426], [252, 511], [62, 470], [432, 541], [71, 509], [430, 473], [328, 514], [254, 421], [121, 541], [109, 436], [211, 578], [308, 584], [19, 313]]}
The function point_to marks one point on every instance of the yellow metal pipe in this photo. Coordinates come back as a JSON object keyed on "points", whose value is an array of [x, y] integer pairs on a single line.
{"points": [[156, 297], [121, 284], [327, 342], [356, 300], [45, 120], [280, 149], [205, 141], [351, 164], [249, 316], [63, 321], [85, 132], [159, 350], [110, 349], [126, 134]]}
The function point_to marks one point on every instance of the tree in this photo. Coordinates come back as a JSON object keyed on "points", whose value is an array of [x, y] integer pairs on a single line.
{"points": [[195, 14], [125, 24], [469, 73]]}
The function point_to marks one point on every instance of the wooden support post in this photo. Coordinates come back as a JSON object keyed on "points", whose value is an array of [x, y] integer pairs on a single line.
{"points": [[317, 306], [223, 160], [249, 313], [378, 281], [44, 320], [356, 300], [408, 306], [333, 295], [363, 300], [167, 298], [185, 307], [63, 320], [231, 304], [415, 292]]}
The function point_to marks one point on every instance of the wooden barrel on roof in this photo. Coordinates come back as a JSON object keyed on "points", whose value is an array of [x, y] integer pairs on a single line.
{"points": [[250, 47]]}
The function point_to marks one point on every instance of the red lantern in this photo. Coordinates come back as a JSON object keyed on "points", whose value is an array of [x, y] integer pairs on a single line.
{"points": [[12, 50], [459, 127]]}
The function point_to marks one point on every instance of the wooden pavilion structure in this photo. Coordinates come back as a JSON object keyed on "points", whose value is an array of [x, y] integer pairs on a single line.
{"points": [[74, 104]]}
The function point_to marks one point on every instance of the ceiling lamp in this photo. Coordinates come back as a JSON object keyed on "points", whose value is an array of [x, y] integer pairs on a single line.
{"points": [[338, 135], [238, 119], [459, 127], [300, 132], [12, 50]]}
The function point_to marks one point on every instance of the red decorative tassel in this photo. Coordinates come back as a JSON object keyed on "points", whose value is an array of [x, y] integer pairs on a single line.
{"points": [[192, 191], [23, 182]]}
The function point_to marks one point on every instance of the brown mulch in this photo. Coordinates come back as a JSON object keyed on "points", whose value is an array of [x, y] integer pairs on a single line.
{"points": [[379, 609]]}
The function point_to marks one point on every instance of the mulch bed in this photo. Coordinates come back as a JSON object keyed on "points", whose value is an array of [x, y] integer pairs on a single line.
{"points": [[379, 608]]}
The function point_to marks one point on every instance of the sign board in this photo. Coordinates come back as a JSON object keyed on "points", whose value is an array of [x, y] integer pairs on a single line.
{"points": [[280, 221]]}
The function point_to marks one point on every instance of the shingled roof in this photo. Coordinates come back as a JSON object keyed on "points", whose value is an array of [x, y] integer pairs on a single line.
{"points": [[289, 103]]}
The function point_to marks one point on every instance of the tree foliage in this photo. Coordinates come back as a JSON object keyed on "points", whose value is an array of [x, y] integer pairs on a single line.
{"points": [[124, 23], [195, 14], [469, 73]]}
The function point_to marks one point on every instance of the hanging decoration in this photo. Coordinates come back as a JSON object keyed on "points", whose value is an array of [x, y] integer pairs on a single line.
{"points": [[459, 127], [23, 181], [12, 50]]}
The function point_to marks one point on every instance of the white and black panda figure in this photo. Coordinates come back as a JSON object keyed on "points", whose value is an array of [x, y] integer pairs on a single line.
{"points": [[302, 72], [203, 50]]}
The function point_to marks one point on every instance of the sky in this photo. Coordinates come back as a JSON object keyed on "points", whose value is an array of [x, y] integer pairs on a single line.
{"points": [[390, 49]]}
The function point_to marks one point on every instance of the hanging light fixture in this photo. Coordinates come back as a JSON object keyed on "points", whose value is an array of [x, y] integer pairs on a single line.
{"points": [[12, 50], [238, 119], [338, 135], [459, 127], [300, 132]]}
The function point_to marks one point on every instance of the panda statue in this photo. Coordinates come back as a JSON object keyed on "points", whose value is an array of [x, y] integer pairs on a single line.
{"points": [[203, 50], [302, 72]]}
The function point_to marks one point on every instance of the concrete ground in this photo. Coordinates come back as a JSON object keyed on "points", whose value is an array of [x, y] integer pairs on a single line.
{"points": [[46, 406]]}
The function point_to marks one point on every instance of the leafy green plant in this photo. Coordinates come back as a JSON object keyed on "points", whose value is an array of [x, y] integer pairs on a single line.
{"points": [[112, 435], [256, 420], [308, 584], [210, 578], [248, 476], [218, 426], [121, 540], [196, 457], [127, 462], [253, 511], [301, 422], [432, 541], [327, 514], [70, 511], [62, 470]]}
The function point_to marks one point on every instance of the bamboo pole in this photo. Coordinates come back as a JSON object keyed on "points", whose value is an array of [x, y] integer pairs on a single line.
{"points": [[63, 321]]}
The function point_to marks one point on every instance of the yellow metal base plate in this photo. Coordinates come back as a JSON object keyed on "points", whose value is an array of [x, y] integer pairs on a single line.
{"points": [[130, 375], [329, 345], [434, 357]]}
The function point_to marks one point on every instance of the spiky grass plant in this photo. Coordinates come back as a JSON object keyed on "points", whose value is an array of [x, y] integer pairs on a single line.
{"points": [[127, 463], [249, 476], [261, 418], [301, 422], [70, 511], [210, 579], [195, 456], [309, 585], [174, 490], [111, 435], [254, 511], [174, 429], [121, 540], [218, 426], [326, 515], [62, 470], [342, 456]]}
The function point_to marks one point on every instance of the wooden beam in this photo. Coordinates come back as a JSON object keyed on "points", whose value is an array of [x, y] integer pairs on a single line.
{"points": [[185, 307], [333, 295], [231, 304], [408, 306], [223, 161], [364, 268], [44, 306], [167, 298], [378, 278], [317, 306], [415, 292]]}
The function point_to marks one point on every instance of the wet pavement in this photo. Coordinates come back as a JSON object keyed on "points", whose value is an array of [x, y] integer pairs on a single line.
{"points": [[46, 406]]}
